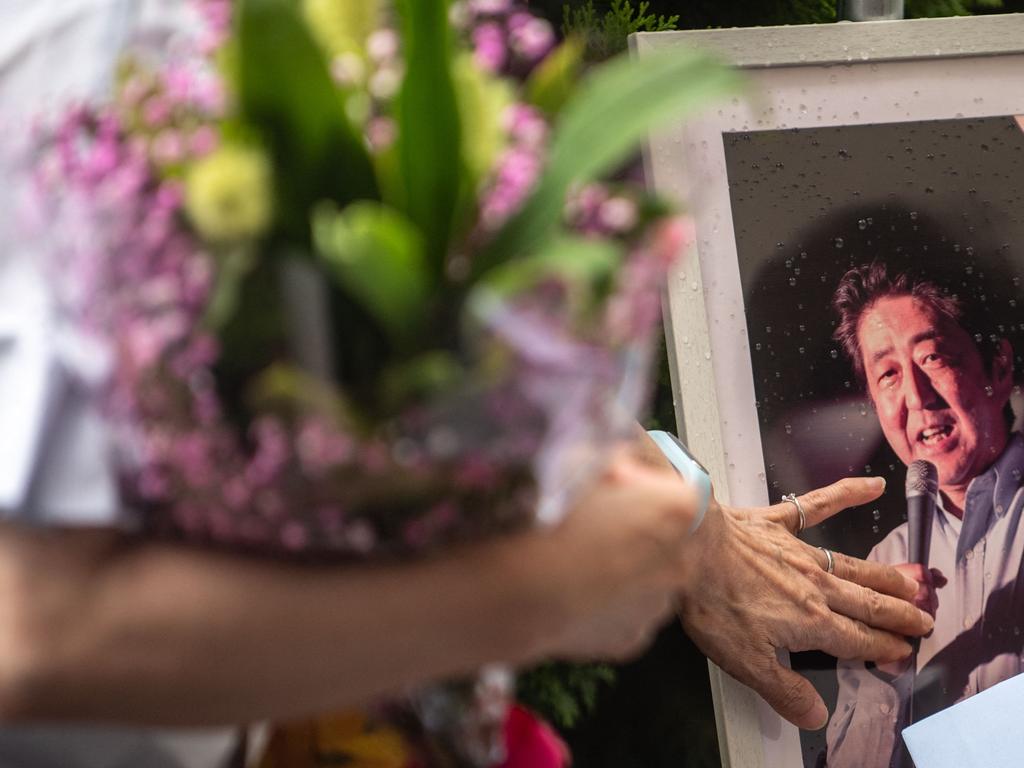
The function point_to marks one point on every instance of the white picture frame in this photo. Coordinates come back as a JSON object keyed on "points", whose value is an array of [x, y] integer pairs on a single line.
{"points": [[845, 74]]}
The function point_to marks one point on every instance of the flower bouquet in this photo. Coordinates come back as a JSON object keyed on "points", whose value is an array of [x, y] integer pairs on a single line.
{"points": [[361, 287]]}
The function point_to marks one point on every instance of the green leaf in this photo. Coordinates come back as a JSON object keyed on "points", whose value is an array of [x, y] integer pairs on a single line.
{"points": [[286, 92], [584, 267], [578, 261], [423, 375], [431, 165], [611, 113], [287, 389], [552, 82], [377, 257], [233, 267]]}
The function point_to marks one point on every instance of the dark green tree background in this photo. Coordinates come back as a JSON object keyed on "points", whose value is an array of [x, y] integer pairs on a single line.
{"points": [[656, 712]]}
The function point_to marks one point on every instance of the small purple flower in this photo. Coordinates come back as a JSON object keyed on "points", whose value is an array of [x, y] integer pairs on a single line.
{"points": [[489, 7], [530, 37], [489, 49], [202, 141]]}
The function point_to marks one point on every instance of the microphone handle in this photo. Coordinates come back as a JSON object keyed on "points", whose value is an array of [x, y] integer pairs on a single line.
{"points": [[920, 510]]}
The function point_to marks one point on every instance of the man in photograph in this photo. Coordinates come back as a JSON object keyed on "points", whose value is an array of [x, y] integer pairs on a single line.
{"points": [[939, 373]]}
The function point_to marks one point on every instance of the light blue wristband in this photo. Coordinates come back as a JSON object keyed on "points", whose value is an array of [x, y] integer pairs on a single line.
{"points": [[689, 468]]}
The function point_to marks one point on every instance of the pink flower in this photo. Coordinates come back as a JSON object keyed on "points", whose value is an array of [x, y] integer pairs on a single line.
{"points": [[530, 37], [203, 140], [489, 47], [168, 147], [531, 743], [156, 111]]}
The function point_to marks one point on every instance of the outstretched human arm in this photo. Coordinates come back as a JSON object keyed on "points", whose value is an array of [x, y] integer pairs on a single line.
{"points": [[98, 626]]}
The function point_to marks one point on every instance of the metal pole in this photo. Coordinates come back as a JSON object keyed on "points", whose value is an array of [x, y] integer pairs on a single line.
{"points": [[869, 10]]}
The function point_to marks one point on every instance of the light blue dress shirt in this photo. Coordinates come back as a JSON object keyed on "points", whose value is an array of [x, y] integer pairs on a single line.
{"points": [[978, 640]]}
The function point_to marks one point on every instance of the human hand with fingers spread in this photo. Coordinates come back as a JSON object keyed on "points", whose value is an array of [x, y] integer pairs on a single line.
{"points": [[752, 587]]}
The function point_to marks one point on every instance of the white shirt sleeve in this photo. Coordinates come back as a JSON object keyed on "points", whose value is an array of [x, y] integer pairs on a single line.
{"points": [[55, 455]]}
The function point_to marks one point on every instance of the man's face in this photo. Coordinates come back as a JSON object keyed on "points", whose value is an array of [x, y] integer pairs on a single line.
{"points": [[934, 397]]}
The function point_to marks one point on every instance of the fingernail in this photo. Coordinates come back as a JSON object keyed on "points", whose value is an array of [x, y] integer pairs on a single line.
{"points": [[929, 622], [879, 482], [822, 711]]}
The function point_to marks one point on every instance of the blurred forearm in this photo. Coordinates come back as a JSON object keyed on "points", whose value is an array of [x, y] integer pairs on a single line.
{"points": [[97, 627]]}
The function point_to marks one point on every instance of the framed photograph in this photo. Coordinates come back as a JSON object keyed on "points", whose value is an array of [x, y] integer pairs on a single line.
{"points": [[854, 303]]}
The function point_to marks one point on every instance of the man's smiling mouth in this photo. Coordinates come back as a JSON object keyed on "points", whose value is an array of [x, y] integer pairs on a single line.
{"points": [[936, 435]]}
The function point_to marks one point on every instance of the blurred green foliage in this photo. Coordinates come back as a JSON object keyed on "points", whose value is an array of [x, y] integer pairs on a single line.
{"points": [[565, 693], [605, 34], [701, 14]]}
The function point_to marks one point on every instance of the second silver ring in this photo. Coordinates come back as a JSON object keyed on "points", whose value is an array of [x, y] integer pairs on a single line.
{"points": [[830, 561]]}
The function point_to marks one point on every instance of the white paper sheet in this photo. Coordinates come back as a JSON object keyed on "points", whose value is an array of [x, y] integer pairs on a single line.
{"points": [[983, 731]]}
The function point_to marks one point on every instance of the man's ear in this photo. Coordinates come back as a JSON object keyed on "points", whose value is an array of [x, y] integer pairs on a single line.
{"points": [[1002, 368]]}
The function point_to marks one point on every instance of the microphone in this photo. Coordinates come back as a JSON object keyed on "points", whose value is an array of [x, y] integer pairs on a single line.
{"points": [[922, 485]]}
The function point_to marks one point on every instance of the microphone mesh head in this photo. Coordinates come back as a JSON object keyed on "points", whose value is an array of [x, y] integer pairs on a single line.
{"points": [[922, 478]]}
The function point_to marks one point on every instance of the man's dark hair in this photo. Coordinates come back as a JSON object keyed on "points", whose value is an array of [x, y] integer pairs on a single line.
{"points": [[862, 286]]}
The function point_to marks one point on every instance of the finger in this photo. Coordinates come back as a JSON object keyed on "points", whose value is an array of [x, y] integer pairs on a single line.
{"points": [[847, 638], [877, 576], [791, 695], [822, 503], [876, 610]]}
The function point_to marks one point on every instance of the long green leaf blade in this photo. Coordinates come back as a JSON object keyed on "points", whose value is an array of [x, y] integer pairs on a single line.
{"points": [[286, 92], [609, 116], [430, 156]]}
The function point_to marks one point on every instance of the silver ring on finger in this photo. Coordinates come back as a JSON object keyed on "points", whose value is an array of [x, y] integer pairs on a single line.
{"points": [[802, 518], [830, 561]]}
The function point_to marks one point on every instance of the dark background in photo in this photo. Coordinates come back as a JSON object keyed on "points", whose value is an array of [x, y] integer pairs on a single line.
{"points": [[809, 204]]}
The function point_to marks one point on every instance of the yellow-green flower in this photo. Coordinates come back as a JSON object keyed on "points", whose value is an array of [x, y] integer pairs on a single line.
{"points": [[482, 101], [342, 26], [228, 195]]}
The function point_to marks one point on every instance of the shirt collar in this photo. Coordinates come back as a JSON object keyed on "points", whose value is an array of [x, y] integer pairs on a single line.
{"points": [[991, 494]]}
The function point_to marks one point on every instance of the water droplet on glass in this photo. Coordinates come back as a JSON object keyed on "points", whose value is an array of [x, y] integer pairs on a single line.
{"points": [[792, 281], [789, 429], [862, 224], [877, 514], [874, 529], [913, 214], [833, 354], [839, 242]]}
